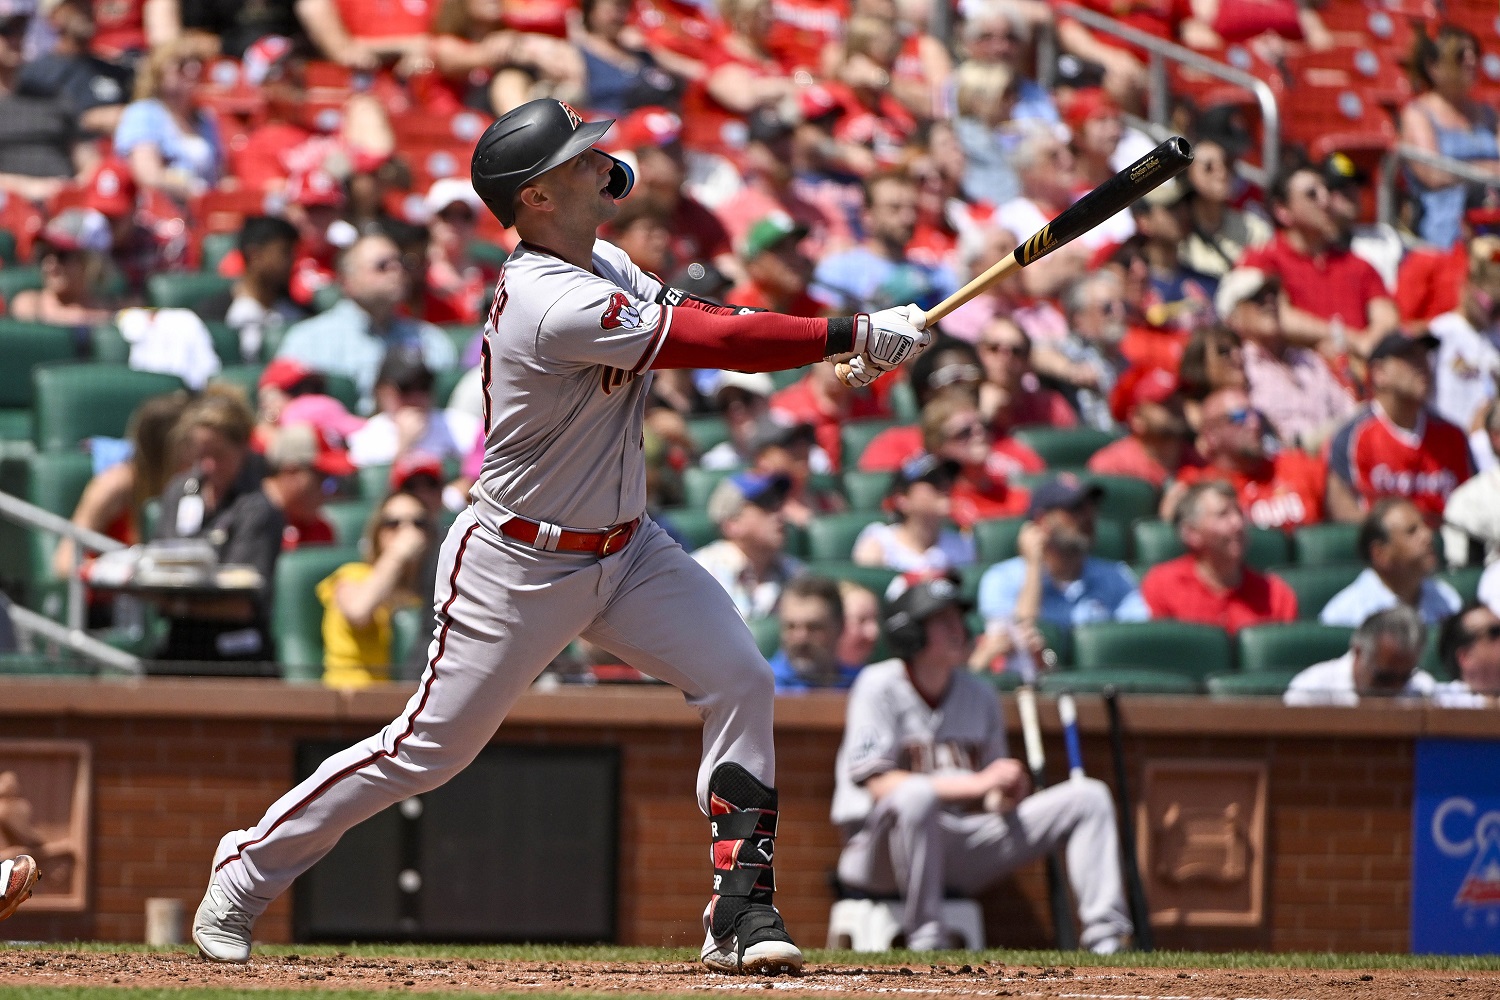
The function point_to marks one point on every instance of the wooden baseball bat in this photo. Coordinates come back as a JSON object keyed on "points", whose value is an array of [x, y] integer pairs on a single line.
{"points": [[1140, 913], [1065, 933], [1157, 167]]}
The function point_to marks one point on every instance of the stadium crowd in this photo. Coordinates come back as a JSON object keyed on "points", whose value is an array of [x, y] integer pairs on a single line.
{"points": [[1229, 406]]}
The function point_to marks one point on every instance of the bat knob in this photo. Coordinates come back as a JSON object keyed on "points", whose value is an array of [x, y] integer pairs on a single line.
{"points": [[843, 371]]}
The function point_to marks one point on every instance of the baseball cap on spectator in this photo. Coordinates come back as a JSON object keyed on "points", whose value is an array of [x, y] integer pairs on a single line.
{"points": [[734, 494], [284, 374], [924, 468], [323, 412], [1225, 126], [767, 125], [1064, 491], [265, 57], [770, 231], [405, 370], [755, 383], [305, 445], [645, 127], [1087, 104], [313, 188], [111, 191], [818, 102], [411, 465], [78, 229], [772, 433], [1242, 285], [1394, 345], [1340, 172], [1165, 195], [449, 191], [1137, 386]]}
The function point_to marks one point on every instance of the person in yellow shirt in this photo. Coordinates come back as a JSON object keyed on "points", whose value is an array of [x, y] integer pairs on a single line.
{"points": [[360, 597]]}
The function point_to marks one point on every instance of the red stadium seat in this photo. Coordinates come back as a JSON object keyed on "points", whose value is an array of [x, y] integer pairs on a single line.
{"points": [[1386, 26], [1333, 119], [1371, 72], [461, 129], [224, 211]]}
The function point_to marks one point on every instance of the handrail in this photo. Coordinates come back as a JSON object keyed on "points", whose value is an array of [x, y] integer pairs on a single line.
{"points": [[1385, 195], [76, 639], [1159, 50], [13, 508]]}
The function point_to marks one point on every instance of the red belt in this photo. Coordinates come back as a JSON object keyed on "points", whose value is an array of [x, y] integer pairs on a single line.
{"points": [[599, 543]]}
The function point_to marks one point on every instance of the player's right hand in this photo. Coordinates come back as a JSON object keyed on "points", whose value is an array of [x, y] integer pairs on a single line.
{"points": [[892, 337], [861, 372]]}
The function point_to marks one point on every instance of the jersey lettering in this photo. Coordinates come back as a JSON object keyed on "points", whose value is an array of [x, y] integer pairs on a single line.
{"points": [[486, 375], [619, 311], [501, 298], [612, 378]]}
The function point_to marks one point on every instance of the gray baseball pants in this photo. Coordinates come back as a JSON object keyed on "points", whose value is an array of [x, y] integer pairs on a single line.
{"points": [[504, 611], [911, 845]]}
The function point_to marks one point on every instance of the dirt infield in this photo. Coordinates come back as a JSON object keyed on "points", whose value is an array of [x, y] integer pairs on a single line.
{"points": [[986, 979]]}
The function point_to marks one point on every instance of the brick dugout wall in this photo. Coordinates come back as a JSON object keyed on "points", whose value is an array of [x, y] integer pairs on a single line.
{"points": [[177, 762]]}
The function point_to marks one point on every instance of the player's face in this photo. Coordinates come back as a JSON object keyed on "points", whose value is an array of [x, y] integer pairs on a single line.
{"points": [[578, 189], [947, 636]]}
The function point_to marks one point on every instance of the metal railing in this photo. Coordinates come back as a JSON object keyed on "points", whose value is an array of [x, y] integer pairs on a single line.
{"points": [[71, 635], [1159, 52], [1390, 170]]}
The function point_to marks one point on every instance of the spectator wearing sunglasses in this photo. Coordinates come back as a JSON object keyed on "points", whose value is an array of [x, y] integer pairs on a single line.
{"points": [[1277, 487], [171, 144], [1011, 395], [456, 282], [1212, 359], [1293, 386], [72, 249], [354, 335], [359, 598], [1469, 646]]}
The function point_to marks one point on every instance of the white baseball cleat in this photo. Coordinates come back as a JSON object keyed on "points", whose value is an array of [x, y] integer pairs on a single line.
{"points": [[759, 946], [17, 877], [221, 930]]}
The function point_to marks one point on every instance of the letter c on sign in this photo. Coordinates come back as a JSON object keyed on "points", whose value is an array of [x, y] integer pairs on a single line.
{"points": [[1440, 816]]}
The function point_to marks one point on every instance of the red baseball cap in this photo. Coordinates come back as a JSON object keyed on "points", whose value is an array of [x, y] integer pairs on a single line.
{"points": [[111, 191], [307, 445], [1140, 385], [284, 374], [646, 127], [818, 101], [1087, 104], [412, 464], [315, 187]]}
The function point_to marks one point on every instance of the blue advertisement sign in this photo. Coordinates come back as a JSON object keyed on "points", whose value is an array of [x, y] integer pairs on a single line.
{"points": [[1455, 857]]}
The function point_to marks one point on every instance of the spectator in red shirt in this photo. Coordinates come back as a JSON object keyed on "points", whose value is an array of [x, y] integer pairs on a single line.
{"points": [[1211, 584], [742, 76], [779, 271], [1429, 281], [1396, 445], [820, 399], [456, 283], [301, 457], [487, 59], [1146, 401], [1277, 487], [1012, 395], [1331, 299], [363, 34], [953, 430], [769, 169], [875, 119]]}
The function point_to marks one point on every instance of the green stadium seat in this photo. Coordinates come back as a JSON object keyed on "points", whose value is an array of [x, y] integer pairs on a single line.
{"points": [[1111, 540], [1126, 498], [694, 525], [485, 252], [8, 248], [1005, 681], [1059, 640], [995, 538], [1465, 581], [24, 346], [866, 490], [873, 578], [406, 624], [1185, 648], [707, 431], [1064, 446], [324, 298], [348, 519], [1314, 585], [782, 379], [767, 632], [226, 342], [374, 482], [109, 347], [832, 535], [1265, 684], [343, 389], [797, 542], [903, 401], [19, 279], [55, 482], [855, 437], [459, 335], [214, 248], [1156, 541], [297, 614], [77, 401], [443, 384], [1266, 547], [247, 377], [1126, 680], [1289, 646], [698, 484], [1327, 544], [44, 665], [181, 289], [968, 586]]}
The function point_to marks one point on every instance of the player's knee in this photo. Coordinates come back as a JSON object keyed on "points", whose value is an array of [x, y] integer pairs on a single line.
{"points": [[1094, 796], [915, 799], [750, 681]]}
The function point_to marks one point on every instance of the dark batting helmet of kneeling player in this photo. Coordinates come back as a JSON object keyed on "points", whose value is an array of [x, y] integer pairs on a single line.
{"points": [[530, 140], [906, 614]]}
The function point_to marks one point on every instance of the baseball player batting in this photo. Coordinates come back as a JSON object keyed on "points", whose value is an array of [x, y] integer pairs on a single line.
{"points": [[556, 542]]}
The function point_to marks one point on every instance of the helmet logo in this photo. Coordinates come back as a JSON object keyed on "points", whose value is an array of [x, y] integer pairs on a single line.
{"points": [[573, 116]]}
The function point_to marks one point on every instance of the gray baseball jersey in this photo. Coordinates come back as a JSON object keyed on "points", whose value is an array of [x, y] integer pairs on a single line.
{"points": [[566, 359], [890, 727]]}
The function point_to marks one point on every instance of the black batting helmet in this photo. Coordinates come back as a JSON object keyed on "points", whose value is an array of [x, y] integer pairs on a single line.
{"points": [[906, 615], [530, 140]]}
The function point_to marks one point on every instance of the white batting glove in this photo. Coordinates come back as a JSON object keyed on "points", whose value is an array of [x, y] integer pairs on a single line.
{"points": [[891, 336], [861, 372]]}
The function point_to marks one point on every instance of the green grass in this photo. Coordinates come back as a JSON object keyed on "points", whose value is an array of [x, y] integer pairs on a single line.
{"points": [[816, 957]]}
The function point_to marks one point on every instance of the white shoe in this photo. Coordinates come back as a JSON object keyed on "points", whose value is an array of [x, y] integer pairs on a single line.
{"points": [[1107, 946], [766, 951], [17, 877], [221, 930]]}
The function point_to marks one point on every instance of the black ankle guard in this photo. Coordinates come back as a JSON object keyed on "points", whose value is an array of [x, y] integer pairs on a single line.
{"points": [[742, 818]]}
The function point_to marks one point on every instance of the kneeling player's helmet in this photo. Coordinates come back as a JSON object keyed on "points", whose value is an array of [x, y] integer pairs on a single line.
{"points": [[906, 614], [530, 140]]}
